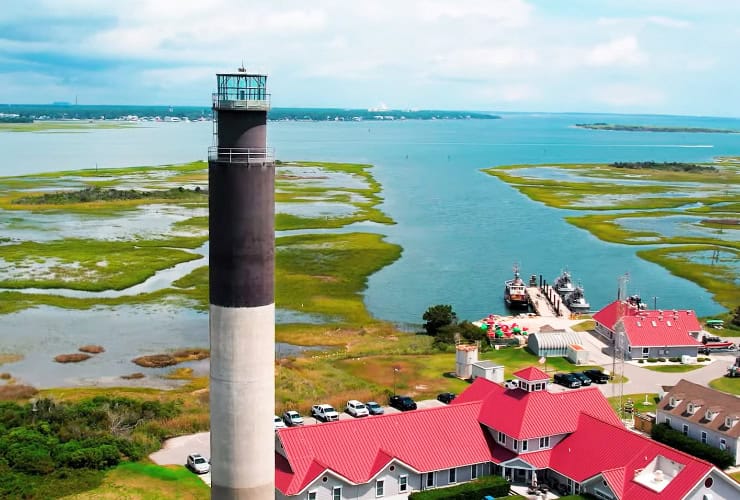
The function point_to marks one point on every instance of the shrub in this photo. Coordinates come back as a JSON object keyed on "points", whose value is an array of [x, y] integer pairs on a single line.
{"points": [[652, 360], [495, 486], [675, 359], [661, 360], [641, 361], [666, 435]]}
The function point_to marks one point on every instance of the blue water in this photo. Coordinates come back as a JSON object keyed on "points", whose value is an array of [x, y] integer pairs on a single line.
{"points": [[461, 230]]}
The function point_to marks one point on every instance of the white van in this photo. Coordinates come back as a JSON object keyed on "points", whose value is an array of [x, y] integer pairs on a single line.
{"points": [[356, 408]]}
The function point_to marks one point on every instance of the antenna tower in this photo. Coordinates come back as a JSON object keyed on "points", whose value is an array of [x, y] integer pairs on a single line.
{"points": [[618, 340]]}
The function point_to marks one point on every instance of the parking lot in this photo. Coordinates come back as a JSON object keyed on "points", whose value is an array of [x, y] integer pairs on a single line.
{"points": [[176, 450]]}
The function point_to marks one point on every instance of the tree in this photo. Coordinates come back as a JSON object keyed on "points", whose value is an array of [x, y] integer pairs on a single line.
{"points": [[437, 317]]}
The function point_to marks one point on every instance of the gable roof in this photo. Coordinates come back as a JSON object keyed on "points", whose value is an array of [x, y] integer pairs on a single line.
{"points": [[425, 440], [531, 374], [659, 328], [590, 451], [726, 405], [651, 328], [527, 415]]}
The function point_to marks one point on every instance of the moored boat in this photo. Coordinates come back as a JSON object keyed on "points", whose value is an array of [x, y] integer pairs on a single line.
{"points": [[515, 291], [576, 301], [563, 284]]}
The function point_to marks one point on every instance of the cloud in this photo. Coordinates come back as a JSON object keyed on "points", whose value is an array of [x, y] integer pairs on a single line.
{"points": [[640, 22], [620, 51], [625, 94]]}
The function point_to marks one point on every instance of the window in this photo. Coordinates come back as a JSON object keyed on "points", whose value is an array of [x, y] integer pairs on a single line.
{"points": [[525, 445], [453, 476], [545, 442], [645, 352], [311, 495], [502, 438], [430, 479], [722, 444], [516, 444], [336, 493], [668, 421], [685, 430], [703, 437], [379, 487], [473, 471], [403, 483]]}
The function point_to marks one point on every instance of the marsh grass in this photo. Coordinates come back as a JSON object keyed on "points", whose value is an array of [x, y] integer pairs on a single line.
{"points": [[718, 279], [76, 263], [17, 392], [325, 274], [92, 349]]}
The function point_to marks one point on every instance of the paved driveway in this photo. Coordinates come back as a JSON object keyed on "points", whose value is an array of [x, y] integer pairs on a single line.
{"points": [[176, 451]]}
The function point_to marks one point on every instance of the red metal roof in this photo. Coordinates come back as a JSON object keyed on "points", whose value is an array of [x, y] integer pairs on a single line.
{"points": [[426, 440], [452, 436], [591, 450], [651, 329], [531, 374], [527, 415]]}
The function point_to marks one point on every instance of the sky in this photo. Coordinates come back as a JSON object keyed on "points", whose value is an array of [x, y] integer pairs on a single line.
{"points": [[617, 56]]}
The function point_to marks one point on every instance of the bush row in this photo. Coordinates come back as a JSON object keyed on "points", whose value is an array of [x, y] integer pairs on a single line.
{"points": [[666, 435], [495, 486]]}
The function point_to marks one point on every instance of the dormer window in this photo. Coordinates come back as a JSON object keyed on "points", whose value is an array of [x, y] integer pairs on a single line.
{"points": [[692, 407], [711, 413], [675, 401], [731, 421]]}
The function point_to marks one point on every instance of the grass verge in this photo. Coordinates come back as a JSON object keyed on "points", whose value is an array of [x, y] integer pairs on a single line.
{"points": [[726, 384]]}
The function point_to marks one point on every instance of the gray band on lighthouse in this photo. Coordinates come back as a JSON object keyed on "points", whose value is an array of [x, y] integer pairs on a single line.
{"points": [[242, 234]]}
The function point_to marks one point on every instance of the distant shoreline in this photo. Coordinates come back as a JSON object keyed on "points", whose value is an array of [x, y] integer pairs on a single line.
{"points": [[651, 128]]}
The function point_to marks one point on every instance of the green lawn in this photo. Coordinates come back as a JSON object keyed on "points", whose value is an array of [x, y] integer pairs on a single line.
{"points": [[726, 384], [139, 481], [672, 368]]}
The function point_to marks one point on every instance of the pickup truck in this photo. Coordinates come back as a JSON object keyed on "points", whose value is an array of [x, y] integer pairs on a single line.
{"points": [[324, 413]]}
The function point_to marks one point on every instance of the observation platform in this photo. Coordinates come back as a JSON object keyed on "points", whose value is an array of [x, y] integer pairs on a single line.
{"points": [[250, 156]]}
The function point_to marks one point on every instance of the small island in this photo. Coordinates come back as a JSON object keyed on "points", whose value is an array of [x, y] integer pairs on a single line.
{"points": [[652, 128]]}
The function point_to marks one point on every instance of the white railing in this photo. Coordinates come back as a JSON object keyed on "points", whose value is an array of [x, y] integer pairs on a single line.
{"points": [[242, 155], [233, 101]]}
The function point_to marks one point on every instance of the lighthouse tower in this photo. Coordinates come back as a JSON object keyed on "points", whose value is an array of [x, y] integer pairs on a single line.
{"points": [[241, 183]]}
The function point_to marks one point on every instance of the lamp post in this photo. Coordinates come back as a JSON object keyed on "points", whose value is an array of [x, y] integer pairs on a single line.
{"points": [[655, 303], [395, 370]]}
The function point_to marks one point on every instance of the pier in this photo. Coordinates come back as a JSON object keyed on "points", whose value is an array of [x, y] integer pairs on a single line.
{"points": [[546, 302]]}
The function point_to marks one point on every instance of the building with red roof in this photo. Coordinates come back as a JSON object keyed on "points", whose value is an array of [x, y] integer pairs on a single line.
{"points": [[571, 440], [650, 333]]}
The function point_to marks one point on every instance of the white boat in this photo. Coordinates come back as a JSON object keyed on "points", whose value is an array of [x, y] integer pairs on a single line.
{"points": [[576, 301], [563, 284]]}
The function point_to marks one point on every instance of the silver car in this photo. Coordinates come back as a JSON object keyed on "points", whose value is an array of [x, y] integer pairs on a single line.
{"points": [[198, 463]]}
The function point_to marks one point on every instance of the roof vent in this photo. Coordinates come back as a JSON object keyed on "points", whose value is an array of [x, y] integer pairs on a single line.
{"points": [[658, 476], [668, 323], [654, 323]]}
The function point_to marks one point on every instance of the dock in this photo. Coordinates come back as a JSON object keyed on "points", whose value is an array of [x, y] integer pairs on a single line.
{"points": [[546, 302]]}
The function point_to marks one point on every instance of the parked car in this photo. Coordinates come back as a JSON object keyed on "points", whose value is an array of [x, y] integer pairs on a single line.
{"points": [[279, 424], [597, 376], [446, 397], [292, 418], [403, 403], [198, 463], [374, 408], [567, 380], [357, 409], [585, 379], [324, 413]]}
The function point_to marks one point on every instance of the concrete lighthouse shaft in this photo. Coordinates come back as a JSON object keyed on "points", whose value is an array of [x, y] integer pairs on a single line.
{"points": [[241, 180]]}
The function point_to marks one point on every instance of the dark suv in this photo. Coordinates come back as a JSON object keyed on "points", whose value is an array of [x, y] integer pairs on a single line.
{"points": [[585, 379], [567, 380], [446, 397], [403, 403], [597, 376]]}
